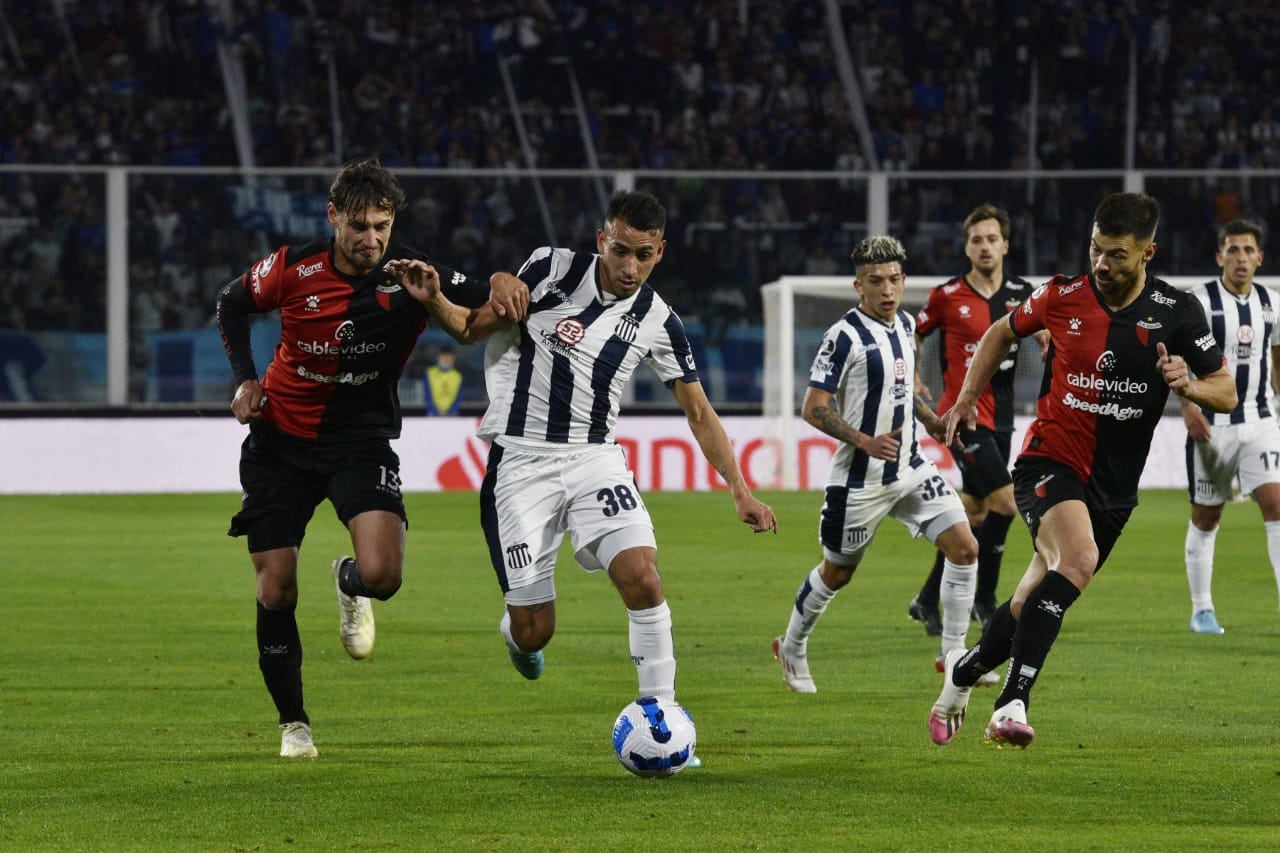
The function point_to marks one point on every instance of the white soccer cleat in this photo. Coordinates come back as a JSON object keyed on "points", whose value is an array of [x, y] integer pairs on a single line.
{"points": [[355, 619], [1009, 726], [948, 712], [295, 741], [795, 669], [989, 679]]}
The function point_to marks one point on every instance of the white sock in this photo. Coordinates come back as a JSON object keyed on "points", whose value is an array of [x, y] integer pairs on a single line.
{"points": [[504, 627], [1273, 547], [653, 651], [1199, 553], [812, 599], [959, 583]]}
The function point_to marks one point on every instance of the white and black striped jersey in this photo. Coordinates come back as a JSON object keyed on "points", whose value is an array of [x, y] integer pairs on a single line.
{"points": [[1244, 327], [869, 367], [557, 378]]}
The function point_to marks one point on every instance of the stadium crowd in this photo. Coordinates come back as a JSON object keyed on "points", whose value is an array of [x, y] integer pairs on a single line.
{"points": [[703, 84]]}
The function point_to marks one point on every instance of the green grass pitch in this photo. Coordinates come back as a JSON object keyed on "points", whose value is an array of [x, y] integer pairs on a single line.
{"points": [[133, 717]]}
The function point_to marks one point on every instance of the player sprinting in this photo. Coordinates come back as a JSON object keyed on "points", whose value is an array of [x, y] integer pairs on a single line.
{"points": [[322, 417], [1245, 441], [1121, 339], [555, 387], [860, 393]]}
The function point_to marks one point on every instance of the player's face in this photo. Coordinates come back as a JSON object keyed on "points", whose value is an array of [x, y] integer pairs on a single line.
{"points": [[360, 239], [1239, 258], [1118, 263], [880, 286], [627, 256], [986, 246]]}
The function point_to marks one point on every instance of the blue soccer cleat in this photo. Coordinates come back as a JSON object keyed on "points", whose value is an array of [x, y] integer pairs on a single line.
{"points": [[529, 664], [1204, 622]]}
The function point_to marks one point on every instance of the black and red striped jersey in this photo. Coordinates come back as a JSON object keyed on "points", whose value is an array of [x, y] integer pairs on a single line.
{"points": [[344, 340], [962, 314], [1102, 393]]}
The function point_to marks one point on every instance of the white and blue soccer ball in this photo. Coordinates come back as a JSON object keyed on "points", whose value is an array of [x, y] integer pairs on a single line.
{"points": [[654, 737]]}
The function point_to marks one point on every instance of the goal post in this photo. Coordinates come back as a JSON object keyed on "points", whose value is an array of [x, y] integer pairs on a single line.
{"points": [[799, 309]]}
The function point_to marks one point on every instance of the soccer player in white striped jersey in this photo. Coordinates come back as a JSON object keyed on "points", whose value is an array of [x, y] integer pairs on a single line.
{"points": [[861, 393], [555, 385], [1245, 442]]}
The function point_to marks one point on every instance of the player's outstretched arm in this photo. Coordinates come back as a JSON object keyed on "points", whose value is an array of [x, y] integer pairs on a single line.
{"points": [[707, 430], [993, 349], [464, 325]]}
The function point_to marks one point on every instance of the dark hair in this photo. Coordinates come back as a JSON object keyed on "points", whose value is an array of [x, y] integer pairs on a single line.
{"points": [[986, 211], [1238, 227], [639, 209], [1122, 214], [877, 250], [361, 183]]}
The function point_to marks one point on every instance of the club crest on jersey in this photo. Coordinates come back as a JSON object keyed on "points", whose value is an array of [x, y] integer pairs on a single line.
{"points": [[899, 369], [570, 331], [1144, 327], [627, 328]]}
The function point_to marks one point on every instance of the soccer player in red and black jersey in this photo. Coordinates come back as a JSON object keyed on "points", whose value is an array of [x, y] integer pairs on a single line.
{"points": [[322, 417], [961, 310], [1120, 340]]}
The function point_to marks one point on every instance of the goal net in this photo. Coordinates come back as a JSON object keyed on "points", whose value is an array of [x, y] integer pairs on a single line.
{"points": [[799, 309]]}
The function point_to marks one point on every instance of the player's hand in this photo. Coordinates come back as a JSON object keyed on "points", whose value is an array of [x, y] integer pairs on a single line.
{"points": [[756, 513], [958, 414], [249, 401], [509, 296], [419, 278], [1173, 370], [884, 446]]}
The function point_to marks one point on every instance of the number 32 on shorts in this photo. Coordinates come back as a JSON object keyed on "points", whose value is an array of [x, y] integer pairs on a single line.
{"points": [[616, 500], [934, 487]]}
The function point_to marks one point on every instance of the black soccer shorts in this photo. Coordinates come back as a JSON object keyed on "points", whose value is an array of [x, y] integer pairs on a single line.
{"points": [[1041, 483], [285, 479]]}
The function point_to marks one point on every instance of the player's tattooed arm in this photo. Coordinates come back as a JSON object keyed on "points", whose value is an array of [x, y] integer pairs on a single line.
{"points": [[825, 418]]}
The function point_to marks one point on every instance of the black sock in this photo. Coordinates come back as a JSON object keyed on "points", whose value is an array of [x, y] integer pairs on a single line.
{"points": [[932, 589], [1037, 629], [280, 659], [349, 582], [993, 648], [991, 536]]}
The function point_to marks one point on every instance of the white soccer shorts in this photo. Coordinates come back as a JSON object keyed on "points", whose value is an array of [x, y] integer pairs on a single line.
{"points": [[539, 495], [923, 501], [1250, 451]]}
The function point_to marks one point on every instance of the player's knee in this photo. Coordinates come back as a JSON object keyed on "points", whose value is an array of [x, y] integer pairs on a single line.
{"points": [[963, 551], [642, 589], [532, 631], [382, 583]]}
